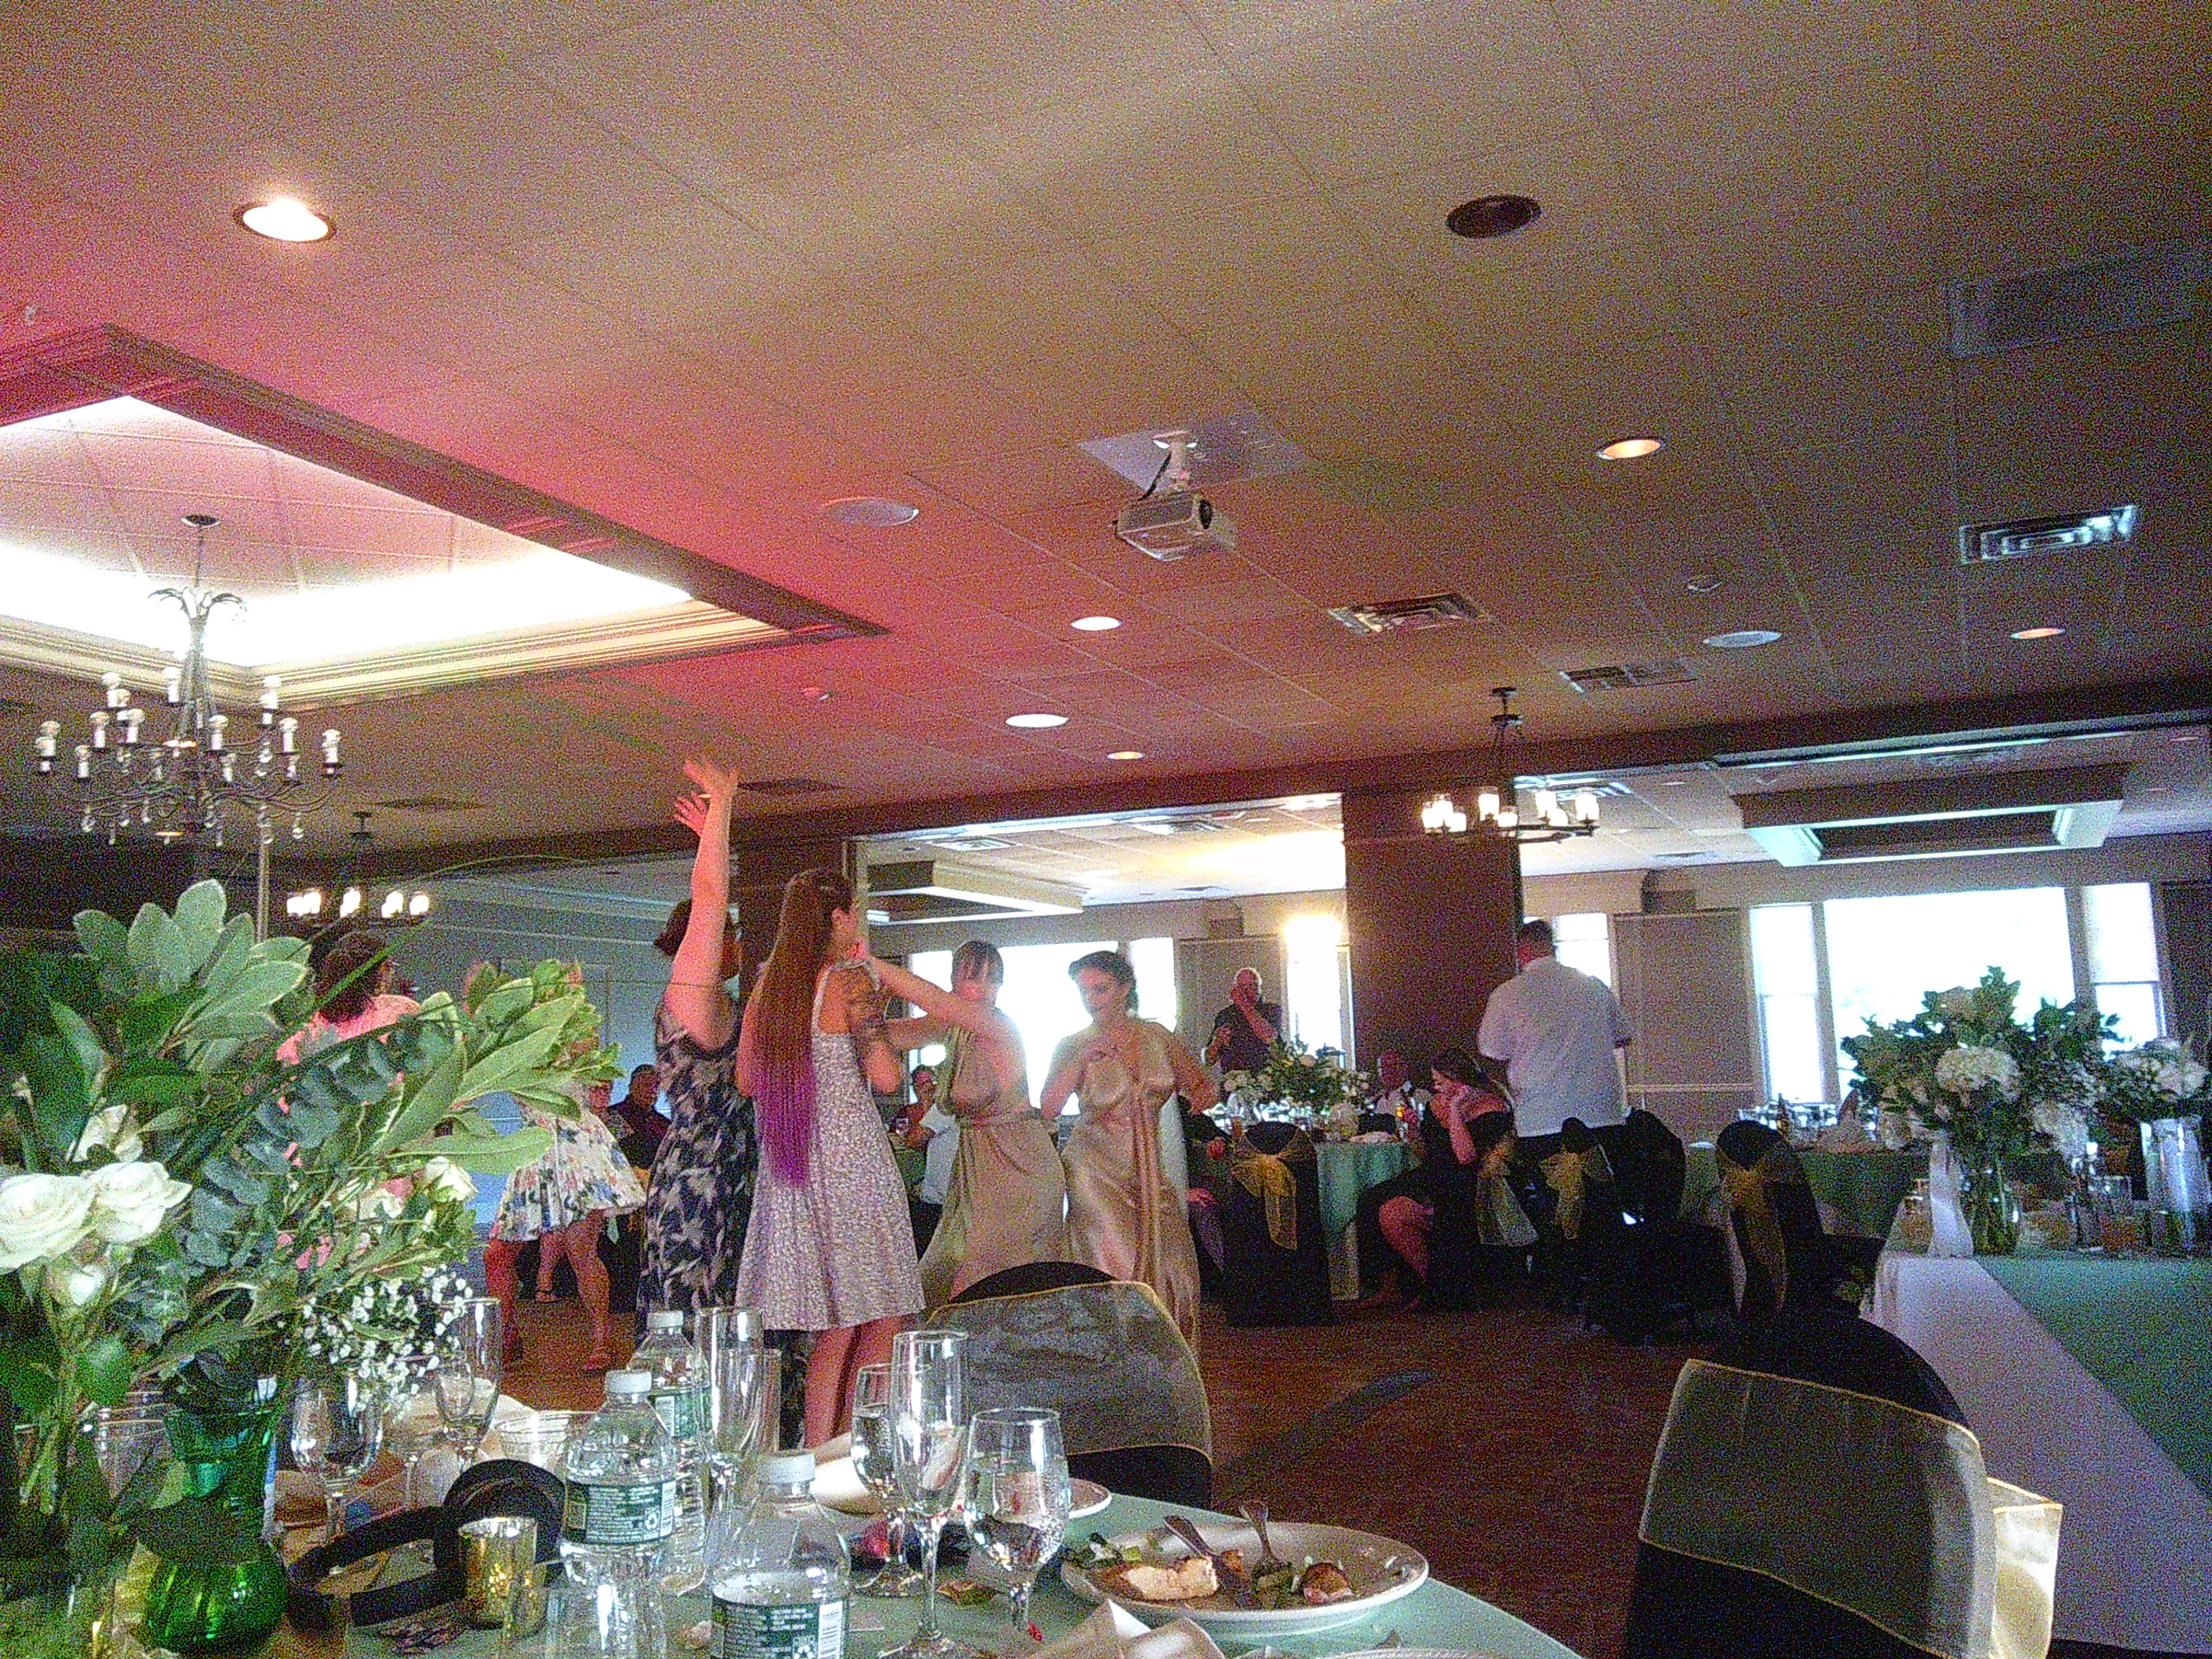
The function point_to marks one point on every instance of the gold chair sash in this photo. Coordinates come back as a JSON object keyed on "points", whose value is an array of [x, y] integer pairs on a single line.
{"points": [[1568, 1174], [1747, 1193], [1270, 1180]]}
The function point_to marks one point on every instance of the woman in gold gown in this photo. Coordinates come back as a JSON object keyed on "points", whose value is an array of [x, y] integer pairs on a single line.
{"points": [[1004, 1205], [1124, 1216]]}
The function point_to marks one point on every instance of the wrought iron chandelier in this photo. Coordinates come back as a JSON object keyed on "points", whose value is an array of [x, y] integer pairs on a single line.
{"points": [[1551, 817], [180, 775], [347, 899]]}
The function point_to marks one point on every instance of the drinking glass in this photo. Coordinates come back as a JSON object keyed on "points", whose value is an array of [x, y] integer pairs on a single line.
{"points": [[874, 1458], [1014, 1502], [744, 1398], [466, 1383], [930, 1429], [411, 1423], [337, 1429]]}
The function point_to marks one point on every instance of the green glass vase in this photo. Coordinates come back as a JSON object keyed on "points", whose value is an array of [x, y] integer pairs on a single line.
{"points": [[230, 1599], [1992, 1212]]}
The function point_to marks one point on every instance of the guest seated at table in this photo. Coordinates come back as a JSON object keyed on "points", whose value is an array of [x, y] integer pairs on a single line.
{"points": [[1454, 1227]]}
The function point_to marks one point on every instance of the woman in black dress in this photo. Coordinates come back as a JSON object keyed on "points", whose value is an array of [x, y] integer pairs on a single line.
{"points": [[1467, 1136]]}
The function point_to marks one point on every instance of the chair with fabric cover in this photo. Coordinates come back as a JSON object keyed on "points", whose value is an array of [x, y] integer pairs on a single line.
{"points": [[1033, 1276], [1274, 1266], [1787, 1261], [1817, 1490], [1665, 1269], [1377, 1123], [1107, 1357], [1587, 1218]]}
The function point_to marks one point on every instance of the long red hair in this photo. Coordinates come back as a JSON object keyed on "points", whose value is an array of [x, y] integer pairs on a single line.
{"points": [[783, 1020]]}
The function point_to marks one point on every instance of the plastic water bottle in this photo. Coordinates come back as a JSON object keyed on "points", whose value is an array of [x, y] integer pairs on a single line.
{"points": [[680, 1395], [620, 1510], [782, 1583]]}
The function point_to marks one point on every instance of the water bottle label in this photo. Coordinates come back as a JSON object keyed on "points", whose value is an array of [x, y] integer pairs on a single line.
{"points": [[806, 1630], [633, 1513], [683, 1412]]}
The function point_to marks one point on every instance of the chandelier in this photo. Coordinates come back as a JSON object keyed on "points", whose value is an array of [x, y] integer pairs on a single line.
{"points": [[1551, 815], [348, 898], [181, 774]]}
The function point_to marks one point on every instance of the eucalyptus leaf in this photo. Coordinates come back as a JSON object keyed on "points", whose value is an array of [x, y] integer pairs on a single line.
{"points": [[313, 1123]]}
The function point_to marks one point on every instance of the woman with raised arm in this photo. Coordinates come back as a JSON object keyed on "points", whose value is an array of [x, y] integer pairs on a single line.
{"points": [[700, 1192], [830, 1249], [1003, 1206], [1124, 1216]]}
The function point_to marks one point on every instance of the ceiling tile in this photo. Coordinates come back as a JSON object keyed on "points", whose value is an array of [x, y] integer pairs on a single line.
{"points": [[1250, 259], [1826, 256], [481, 313], [674, 270], [1640, 57]]}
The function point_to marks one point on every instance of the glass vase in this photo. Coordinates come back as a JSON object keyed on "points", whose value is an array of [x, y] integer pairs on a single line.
{"points": [[2175, 1177], [231, 1600], [1992, 1212]]}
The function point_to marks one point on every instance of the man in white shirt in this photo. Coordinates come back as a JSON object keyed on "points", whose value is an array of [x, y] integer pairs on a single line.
{"points": [[1556, 1029], [936, 1133]]}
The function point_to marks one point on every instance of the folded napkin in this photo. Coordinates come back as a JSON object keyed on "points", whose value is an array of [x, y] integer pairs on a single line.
{"points": [[1374, 1137], [1112, 1633]]}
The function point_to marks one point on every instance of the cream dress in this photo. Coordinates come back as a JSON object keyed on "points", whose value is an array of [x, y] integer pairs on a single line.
{"points": [[1004, 1202]]}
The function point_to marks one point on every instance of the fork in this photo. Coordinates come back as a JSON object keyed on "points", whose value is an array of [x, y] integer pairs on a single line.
{"points": [[1238, 1584], [1257, 1515]]}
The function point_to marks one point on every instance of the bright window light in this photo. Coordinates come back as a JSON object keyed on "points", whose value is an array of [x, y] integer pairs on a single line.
{"points": [[2123, 941], [1154, 961], [1785, 979], [1313, 991], [1584, 941]]}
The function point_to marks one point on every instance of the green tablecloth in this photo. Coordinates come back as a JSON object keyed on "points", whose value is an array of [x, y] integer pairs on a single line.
{"points": [[2142, 1328], [1349, 1167], [1434, 1616], [1864, 1188], [911, 1160]]}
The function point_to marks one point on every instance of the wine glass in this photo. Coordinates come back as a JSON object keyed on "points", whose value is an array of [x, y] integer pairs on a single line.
{"points": [[874, 1457], [337, 1429], [411, 1423], [1015, 1500], [930, 1435], [468, 1376], [744, 1398]]}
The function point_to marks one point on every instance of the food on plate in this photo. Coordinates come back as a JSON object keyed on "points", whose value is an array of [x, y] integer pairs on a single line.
{"points": [[965, 1592], [1322, 1583], [1187, 1579], [1141, 1568]]}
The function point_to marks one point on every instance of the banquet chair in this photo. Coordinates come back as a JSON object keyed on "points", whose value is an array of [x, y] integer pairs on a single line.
{"points": [[1274, 1258], [1817, 1490], [1032, 1276], [1787, 1258], [1107, 1357], [1664, 1269]]}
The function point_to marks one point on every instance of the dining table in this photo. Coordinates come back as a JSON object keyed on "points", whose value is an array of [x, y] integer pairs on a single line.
{"points": [[2084, 1376], [1346, 1169], [1435, 1616]]}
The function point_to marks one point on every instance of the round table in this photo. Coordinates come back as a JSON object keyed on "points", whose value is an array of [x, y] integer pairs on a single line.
{"points": [[1346, 1169]]}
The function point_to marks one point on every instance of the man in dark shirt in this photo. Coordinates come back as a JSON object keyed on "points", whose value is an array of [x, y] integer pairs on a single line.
{"points": [[643, 1127], [1242, 1030]]}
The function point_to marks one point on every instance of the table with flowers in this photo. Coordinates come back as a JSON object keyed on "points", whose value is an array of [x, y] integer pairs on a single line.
{"points": [[1346, 1169]]}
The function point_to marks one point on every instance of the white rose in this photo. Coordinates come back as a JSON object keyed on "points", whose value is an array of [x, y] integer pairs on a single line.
{"points": [[41, 1216], [113, 1127], [379, 1204], [446, 1181], [131, 1200], [76, 1284]]}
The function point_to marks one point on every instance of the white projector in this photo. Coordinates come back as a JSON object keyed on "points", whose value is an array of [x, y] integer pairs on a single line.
{"points": [[1174, 526]]}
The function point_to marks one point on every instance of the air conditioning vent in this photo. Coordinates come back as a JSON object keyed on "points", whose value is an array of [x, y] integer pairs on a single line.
{"points": [[2152, 285], [433, 804], [1628, 675], [789, 786], [1409, 616], [2024, 539]]}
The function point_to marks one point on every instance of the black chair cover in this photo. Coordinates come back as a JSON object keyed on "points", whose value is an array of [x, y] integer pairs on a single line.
{"points": [[1260, 1282], [1811, 1266], [1033, 1276], [1167, 1475], [1659, 1270]]}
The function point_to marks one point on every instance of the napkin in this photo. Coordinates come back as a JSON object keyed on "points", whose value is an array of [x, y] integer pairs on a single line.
{"points": [[837, 1487], [1114, 1633]]}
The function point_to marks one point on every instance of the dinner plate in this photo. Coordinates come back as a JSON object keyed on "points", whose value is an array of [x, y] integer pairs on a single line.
{"points": [[1087, 1497], [1383, 1570]]}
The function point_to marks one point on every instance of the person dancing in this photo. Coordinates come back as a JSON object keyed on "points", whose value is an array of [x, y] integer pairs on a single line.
{"points": [[830, 1249], [1124, 1217], [699, 1192], [1003, 1205]]}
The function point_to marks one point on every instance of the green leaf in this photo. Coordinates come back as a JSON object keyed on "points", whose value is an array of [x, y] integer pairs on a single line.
{"points": [[160, 953], [233, 948], [30, 1364], [104, 939], [512, 1063], [506, 1003], [248, 997], [148, 1024], [428, 1102], [61, 1096], [84, 1043], [104, 1369], [484, 1154], [197, 1530], [162, 1084], [200, 910]]}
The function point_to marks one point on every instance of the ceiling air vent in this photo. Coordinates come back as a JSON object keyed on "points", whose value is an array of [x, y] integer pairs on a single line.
{"points": [[789, 786], [1628, 675], [1409, 616], [433, 804], [2021, 538], [2155, 283]]}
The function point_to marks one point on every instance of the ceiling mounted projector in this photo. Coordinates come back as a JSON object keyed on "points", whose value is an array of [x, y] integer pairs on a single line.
{"points": [[1174, 522]]}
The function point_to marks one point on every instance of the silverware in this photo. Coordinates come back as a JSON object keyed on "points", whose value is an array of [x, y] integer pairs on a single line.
{"points": [[1257, 1515], [1238, 1585], [1394, 1639]]}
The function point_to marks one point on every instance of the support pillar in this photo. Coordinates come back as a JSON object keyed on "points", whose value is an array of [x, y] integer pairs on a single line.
{"points": [[758, 872], [1431, 921]]}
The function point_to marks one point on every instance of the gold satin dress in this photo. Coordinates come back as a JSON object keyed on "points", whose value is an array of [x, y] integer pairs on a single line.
{"points": [[1124, 1216], [1007, 1195]]}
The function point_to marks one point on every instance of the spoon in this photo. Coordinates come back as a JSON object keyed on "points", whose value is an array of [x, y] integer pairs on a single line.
{"points": [[1238, 1586], [1257, 1515]]}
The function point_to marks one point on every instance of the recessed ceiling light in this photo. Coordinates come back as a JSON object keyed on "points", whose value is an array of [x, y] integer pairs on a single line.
{"points": [[870, 512], [1036, 722], [2043, 633], [1127, 754], [1741, 638], [1491, 215], [1631, 449], [816, 693], [1671, 783], [1704, 584], [1095, 624], [285, 219]]}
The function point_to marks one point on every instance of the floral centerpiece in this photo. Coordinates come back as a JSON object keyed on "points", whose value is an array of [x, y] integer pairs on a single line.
{"points": [[1319, 1084], [1966, 1072], [185, 1208], [2163, 1092]]}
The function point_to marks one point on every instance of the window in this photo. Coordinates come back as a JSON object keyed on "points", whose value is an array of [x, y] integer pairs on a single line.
{"points": [[1041, 1000], [936, 967], [1785, 978], [1154, 961], [2123, 950], [1313, 991], [1584, 941]]}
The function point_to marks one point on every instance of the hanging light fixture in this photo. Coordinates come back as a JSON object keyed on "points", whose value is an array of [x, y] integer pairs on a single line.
{"points": [[181, 774], [352, 900], [1551, 816]]}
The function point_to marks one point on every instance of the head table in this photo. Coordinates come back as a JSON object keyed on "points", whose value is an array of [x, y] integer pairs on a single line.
{"points": [[1434, 1616]]}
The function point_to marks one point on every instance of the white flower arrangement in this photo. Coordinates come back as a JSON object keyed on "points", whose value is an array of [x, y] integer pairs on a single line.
{"points": [[371, 1332], [1971, 1067]]}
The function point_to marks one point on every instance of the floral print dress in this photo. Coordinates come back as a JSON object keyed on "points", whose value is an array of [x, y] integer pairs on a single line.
{"points": [[581, 1171], [701, 1195]]}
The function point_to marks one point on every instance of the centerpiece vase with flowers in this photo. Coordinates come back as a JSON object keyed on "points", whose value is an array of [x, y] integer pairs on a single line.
{"points": [[1313, 1085], [1966, 1074], [184, 1209], [2163, 1091]]}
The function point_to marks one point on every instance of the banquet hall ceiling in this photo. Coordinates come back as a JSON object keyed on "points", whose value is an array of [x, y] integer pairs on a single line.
{"points": [[702, 268]]}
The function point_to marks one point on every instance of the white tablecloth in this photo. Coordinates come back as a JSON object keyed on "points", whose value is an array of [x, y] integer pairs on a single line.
{"points": [[2135, 1550]]}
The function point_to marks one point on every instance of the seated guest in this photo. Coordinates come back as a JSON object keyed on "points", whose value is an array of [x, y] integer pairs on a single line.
{"points": [[935, 1133], [1393, 1084], [1460, 1196], [638, 1120]]}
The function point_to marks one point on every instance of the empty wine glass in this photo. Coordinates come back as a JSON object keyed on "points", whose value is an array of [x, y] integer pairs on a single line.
{"points": [[875, 1439], [1015, 1500], [928, 1454], [337, 1429], [745, 1397], [411, 1423], [466, 1383]]}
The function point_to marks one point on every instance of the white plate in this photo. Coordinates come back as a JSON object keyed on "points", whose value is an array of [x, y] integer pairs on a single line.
{"points": [[1363, 1555], [1087, 1497]]}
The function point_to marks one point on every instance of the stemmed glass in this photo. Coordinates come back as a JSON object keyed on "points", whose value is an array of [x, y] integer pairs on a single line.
{"points": [[411, 1423], [1015, 1501], [744, 1398], [467, 1380], [875, 1441], [929, 1422], [337, 1429]]}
